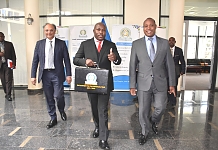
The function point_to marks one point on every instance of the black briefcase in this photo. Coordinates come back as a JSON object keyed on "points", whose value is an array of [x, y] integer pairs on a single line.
{"points": [[91, 80]]}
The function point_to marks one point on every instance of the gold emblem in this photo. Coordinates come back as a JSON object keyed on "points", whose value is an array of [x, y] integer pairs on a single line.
{"points": [[125, 34]]}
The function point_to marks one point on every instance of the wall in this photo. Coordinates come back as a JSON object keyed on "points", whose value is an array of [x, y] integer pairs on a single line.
{"points": [[136, 11]]}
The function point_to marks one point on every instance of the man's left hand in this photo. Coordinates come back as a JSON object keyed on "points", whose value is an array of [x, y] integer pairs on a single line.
{"points": [[172, 91], [111, 56], [68, 79]]}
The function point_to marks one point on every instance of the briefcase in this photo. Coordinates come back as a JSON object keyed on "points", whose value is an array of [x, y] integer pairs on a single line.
{"points": [[91, 80]]}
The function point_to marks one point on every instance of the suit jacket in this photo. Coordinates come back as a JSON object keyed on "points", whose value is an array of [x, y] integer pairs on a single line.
{"points": [[178, 57], [159, 70], [60, 54], [88, 50], [9, 53]]}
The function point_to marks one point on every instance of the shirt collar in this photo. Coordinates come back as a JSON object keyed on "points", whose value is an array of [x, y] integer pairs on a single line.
{"points": [[97, 40], [2, 42], [172, 47], [146, 37], [47, 40]]}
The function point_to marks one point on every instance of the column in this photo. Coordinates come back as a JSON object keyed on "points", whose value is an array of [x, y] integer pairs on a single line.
{"points": [[32, 36], [176, 20]]}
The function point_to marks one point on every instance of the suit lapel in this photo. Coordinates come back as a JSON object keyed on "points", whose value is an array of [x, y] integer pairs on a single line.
{"points": [[159, 43], [43, 52], [103, 50], [55, 49], [93, 50], [144, 48]]}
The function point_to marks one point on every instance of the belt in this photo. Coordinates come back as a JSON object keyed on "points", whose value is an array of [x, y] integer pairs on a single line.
{"points": [[49, 69]]}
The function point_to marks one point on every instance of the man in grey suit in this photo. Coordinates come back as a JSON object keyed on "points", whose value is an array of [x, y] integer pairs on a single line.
{"points": [[155, 65], [49, 54], [103, 52]]}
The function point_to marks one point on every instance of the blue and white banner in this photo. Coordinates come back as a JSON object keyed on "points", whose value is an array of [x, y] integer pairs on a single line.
{"points": [[123, 36]]}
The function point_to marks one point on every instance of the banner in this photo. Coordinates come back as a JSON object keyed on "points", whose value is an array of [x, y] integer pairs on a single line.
{"points": [[123, 36], [78, 34]]}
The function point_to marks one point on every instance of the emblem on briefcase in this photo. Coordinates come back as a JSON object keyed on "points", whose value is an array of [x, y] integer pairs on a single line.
{"points": [[91, 79]]}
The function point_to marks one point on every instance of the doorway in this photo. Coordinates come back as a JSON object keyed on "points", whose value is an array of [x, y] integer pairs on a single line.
{"points": [[198, 46]]}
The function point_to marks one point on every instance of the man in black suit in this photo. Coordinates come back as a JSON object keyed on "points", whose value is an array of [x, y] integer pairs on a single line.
{"points": [[50, 53], [7, 52], [99, 50], [179, 66]]}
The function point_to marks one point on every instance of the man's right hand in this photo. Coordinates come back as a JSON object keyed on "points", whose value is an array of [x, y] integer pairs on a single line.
{"points": [[89, 63], [133, 91], [33, 80]]}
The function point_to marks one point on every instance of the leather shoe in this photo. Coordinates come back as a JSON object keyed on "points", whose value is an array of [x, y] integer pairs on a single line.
{"points": [[142, 139], [104, 144], [51, 123], [63, 116], [8, 98], [154, 126], [95, 133]]}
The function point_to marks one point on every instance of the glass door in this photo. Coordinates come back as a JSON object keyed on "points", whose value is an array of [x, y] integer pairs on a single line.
{"points": [[198, 43]]}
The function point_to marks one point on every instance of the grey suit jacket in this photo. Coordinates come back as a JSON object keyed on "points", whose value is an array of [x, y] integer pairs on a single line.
{"points": [[160, 69], [60, 55]]}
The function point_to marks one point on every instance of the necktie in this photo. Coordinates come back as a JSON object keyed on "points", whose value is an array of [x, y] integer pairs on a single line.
{"points": [[99, 46], [152, 50], [171, 49], [2, 50], [50, 56]]}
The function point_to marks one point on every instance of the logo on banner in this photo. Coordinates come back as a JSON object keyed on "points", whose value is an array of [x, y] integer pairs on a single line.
{"points": [[82, 33], [125, 34], [91, 79]]}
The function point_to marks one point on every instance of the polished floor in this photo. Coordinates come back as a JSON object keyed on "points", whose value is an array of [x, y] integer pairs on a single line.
{"points": [[193, 125]]}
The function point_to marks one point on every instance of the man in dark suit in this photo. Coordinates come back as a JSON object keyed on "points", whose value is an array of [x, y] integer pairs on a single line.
{"points": [[155, 65], [179, 66], [99, 50], [50, 53], [7, 52]]}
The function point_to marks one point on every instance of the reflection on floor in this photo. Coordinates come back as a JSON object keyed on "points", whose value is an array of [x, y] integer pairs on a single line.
{"points": [[193, 125]]}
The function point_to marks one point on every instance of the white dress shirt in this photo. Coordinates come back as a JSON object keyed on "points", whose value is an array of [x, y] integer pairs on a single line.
{"points": [[47, 46]]}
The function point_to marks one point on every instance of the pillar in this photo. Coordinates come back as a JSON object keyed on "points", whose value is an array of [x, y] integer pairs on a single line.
{"points": [[32, 36], [176, 20]]}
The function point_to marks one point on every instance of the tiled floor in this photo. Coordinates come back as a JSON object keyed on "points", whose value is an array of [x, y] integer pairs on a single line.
{"points": [[193, 125]]}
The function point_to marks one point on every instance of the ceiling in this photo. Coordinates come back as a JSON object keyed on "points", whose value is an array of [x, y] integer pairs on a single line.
{"points": [[204, 8]]}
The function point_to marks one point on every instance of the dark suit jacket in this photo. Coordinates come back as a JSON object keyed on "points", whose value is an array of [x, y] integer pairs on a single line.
{"points": [[88, 50], [9, 53], [178, 57], [60, 54]]}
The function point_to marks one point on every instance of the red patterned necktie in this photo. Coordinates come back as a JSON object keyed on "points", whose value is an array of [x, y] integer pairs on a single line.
{"points": [[99, 46]]}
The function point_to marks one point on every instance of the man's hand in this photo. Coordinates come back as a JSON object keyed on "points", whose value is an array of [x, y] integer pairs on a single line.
{"points": [[172, 90], [33, 80], [89, 63], [111, 56], [133, 91], [68, 79]]}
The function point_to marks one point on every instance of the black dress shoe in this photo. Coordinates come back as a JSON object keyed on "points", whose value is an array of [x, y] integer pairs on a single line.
{"points": [[51, 123], [104, 144], [63, 116], [8, 98], [95, 133], [142, 139], [154, 126]]}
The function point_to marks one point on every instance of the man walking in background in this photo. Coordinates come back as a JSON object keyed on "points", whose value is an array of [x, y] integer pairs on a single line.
{"points": [[180, 67], [7, 54]]}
